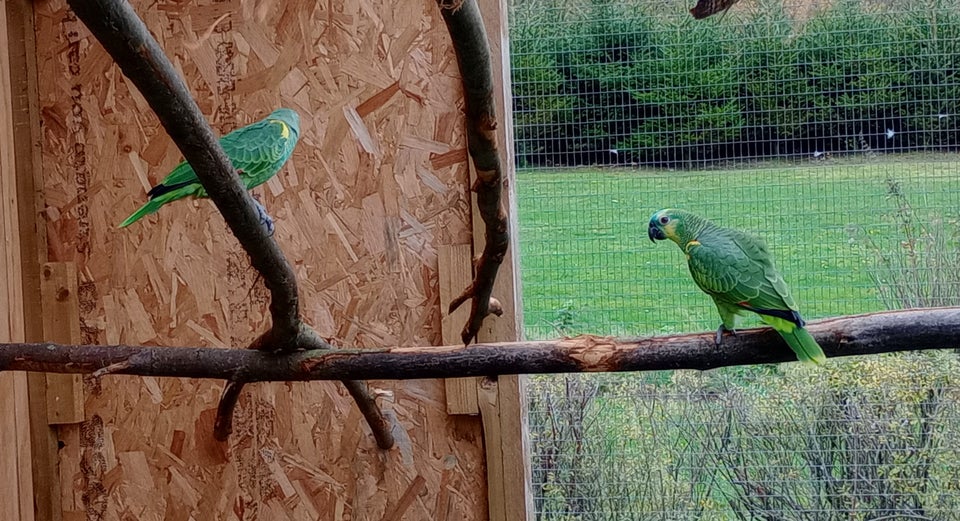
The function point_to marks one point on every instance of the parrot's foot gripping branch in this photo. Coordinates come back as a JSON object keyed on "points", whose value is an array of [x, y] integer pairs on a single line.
{"points": [[720, 331], [265, 218]]}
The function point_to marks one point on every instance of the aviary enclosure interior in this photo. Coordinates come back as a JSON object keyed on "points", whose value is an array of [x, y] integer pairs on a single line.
{"points": [[374, 213]]}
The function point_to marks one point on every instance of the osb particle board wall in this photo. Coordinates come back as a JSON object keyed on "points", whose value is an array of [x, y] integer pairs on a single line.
{"points": [[361, 211]]}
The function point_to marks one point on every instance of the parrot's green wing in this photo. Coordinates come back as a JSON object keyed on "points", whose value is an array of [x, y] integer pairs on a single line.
{"points": [[257, 151], [737, 270]]}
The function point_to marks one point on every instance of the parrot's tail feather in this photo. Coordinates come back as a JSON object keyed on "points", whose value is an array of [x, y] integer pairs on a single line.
{"points": [[804, 345], [784, 314], [150, 207], [156, 202], [162, 189], [798, 338]]}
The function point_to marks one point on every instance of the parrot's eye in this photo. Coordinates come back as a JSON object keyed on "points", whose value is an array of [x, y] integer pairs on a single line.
{"points": [[664, 220]]}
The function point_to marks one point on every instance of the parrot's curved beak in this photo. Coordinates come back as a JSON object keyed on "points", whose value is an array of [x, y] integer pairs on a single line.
{"points": [[655, 233]]}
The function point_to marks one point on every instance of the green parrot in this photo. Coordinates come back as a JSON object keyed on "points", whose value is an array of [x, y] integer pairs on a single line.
{"points": [[258, 151], [737, 271]]}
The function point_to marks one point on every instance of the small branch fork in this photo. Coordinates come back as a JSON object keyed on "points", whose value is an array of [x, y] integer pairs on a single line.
{"points": [[913, 330], [125, 37], [473, 57]]}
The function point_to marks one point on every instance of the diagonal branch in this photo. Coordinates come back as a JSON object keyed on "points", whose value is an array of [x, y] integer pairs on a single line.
{"points": [[473, 57], [913, 330], [125, 37]]}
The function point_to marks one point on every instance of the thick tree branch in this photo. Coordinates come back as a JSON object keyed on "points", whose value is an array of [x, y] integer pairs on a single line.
{"points": [[913, 330], [125, 37], [473, 57]]}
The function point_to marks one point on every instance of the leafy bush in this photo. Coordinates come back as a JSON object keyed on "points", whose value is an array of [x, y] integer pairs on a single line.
{"points": [[793, 443]]}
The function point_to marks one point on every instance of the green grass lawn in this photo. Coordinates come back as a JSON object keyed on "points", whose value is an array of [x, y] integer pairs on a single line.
{"points": [[586, 261]]}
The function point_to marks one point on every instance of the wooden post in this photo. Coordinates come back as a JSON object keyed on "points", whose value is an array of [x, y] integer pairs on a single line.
{"points": [[21, 117], [61, 323], [16, 487], [502, 401]]}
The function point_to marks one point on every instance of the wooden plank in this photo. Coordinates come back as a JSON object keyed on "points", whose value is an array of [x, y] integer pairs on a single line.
{"points": [[16, 488], [26, 123], [61, 324], [455, 274], [489, 400], [11, 306], [518, 498], [26, 145], [505, 434], [44, 443]]}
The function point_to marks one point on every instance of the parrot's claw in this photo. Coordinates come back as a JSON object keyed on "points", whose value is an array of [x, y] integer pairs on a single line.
{"points": [[268, 224], [720, 330], [265, 218]]}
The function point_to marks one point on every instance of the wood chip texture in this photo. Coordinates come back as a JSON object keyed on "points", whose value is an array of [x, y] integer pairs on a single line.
{"points": [[377, 183]]}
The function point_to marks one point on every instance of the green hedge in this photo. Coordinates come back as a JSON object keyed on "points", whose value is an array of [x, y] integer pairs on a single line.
{"points": [[599, 76]]}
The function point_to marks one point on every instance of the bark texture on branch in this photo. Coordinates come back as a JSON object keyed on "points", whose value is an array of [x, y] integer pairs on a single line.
{"points": [[126, 38], [473, 57], [913, 330]]}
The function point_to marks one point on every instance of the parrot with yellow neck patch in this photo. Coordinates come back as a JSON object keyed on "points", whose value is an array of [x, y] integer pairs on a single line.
{"points": [[737, 271], [258, 151]]}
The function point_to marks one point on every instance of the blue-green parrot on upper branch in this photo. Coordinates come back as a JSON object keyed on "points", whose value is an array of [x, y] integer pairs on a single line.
{"points": [[737, 271], [258, 151]]}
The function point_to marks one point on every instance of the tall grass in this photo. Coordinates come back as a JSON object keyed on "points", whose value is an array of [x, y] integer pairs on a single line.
{"points": [[919, 266]]}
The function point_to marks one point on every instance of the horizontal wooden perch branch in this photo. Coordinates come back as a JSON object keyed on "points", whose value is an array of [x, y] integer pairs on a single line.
{"points": [[912, 330]]}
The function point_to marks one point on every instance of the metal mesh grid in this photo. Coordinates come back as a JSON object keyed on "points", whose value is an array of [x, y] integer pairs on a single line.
{"points": [[827, 128], [639, 82], [787, 443], [588, 267]]}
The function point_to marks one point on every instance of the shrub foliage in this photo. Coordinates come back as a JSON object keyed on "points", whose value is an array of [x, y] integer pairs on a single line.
{"points": [[633, 82]]}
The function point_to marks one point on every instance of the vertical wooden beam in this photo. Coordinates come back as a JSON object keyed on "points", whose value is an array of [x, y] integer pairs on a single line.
{"points": [[488, 392], [502, 401], [518, 493], [25, 120], [16, 487], [61, 323], [456, 273], [44, 445]]}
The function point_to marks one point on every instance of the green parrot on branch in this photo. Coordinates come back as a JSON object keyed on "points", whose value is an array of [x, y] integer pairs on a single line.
{"points": [[258, 151], [737, 271]]}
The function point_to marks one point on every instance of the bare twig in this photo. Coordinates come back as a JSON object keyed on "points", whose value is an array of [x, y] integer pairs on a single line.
{"points": [[223, 423], [364, 398], [473, 56], [912, 330], [125, 37]]}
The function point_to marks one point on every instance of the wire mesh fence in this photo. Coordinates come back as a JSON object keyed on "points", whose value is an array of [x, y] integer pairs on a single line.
{"points": [[828, 128], [765, 443]]}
